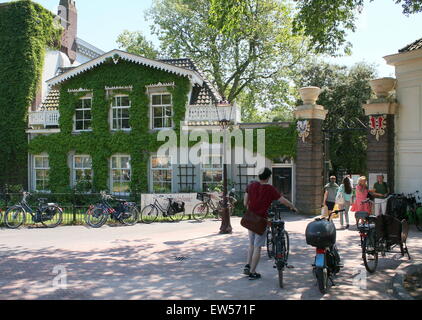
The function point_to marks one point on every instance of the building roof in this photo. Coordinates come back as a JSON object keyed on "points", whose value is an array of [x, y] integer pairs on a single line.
{"points": [[51, 102], [116, 55], [203, 94], [412, 47], [206, 94]]}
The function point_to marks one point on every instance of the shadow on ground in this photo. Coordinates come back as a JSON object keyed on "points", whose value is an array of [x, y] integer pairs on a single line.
{"points": [[202, 268]]}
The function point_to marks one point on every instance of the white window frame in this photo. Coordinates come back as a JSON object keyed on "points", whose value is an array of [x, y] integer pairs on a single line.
{"points": [[35, 169], [87, 97], [152, 170], [74, 169], [152, 107], [112, 181], [119, 108], [203, 169]]}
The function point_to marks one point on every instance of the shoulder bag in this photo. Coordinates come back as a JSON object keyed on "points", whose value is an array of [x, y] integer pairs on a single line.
{"points": [[254, 223]]}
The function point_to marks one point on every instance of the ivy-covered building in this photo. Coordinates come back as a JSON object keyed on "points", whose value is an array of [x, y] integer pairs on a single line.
{"points": [[110, 112], [36, 44]]}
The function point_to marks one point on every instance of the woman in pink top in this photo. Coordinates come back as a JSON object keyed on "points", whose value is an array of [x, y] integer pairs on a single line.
{"points": [[361, 195]]}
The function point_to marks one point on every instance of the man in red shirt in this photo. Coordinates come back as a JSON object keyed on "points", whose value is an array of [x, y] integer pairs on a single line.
{"points": [[258, 199]]}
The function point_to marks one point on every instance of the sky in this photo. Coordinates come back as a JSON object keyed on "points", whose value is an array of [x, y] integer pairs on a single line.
{"points": [[382, 28]]}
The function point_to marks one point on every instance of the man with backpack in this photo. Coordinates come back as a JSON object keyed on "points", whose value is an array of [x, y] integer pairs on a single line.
{"points": [[380, 193]]}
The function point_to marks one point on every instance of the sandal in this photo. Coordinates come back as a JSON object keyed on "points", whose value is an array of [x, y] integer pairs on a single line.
{"points": [[254, 276], [247, 270]]}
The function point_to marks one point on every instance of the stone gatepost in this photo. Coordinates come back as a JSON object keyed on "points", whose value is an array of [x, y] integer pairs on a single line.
{"points": [[310, 152], [381, 113]]}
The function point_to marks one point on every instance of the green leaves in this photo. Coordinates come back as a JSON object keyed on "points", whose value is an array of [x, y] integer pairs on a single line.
{"points": [[101, 144], [245, 47], [26, 30], [136, 43], [344, 92], [326, 23]]}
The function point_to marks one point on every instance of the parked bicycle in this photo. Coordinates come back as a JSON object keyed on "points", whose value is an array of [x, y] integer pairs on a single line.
{"points": [[322, 235], [214, 206], [174, 210], [124, 212], [415, 209], [278, 243], [380, 234], [49, 214]]}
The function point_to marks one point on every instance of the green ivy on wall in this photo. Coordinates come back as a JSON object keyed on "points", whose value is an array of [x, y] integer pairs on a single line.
{"points": [[140, 142], [27, 29], [101, 143]]}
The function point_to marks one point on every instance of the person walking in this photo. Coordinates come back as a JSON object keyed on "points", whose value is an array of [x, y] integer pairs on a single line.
{"points": [[362, 193], [258, 199], [345, 192], [380, 192], [330, 194]]}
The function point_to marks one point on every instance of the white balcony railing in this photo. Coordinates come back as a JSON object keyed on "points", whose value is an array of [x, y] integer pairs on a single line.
{"points": [[206, 115], [44, 118], [210, 115]]}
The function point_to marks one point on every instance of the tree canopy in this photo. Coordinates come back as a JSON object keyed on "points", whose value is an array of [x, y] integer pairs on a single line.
{"points": [[326, 23], [344, 92], [136, 43], [252, 65]]}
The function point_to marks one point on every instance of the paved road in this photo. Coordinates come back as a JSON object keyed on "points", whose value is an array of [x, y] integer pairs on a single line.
{"points": [[140, 263]]}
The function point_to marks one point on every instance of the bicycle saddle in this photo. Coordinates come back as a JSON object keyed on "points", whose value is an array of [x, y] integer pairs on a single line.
{"points": [[120, 200]]}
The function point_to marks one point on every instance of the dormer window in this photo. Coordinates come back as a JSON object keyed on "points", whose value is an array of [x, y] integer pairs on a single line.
{"points": [[161, 111], [83, 115], [120, 113]]}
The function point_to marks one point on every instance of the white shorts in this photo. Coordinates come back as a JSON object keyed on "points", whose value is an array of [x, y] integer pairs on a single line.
{"points": [[256, 240]]}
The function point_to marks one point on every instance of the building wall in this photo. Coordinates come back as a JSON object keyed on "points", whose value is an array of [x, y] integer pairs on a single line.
{"points": [[409, 124]]}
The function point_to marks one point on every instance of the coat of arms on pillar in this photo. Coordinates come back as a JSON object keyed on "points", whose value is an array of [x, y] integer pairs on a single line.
{"points": [[304, 129], [378, 124]]}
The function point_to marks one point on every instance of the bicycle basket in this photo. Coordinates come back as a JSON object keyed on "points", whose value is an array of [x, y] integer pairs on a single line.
{"points": [[178, 207]]}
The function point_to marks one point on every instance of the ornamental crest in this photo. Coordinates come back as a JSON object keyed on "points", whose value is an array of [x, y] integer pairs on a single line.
{"points": [[304, 129], [378, 125]]}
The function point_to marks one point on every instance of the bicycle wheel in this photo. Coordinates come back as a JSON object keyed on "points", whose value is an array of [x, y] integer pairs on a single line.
{"points": [[149, 214], [52, 217], [15, 217], [96, 217], [130, 217], [322, 279], [200, 211], [270, 244], [177, 217], [286, 245], [370, 254]]}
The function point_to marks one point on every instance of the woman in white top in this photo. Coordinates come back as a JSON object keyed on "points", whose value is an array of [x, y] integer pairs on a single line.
{"points": [[345, 192]]}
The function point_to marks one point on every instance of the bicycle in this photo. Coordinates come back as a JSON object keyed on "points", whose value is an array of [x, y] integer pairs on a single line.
{"points": [[278, 242], [202, 210], [124, 212], [322, 234], [380, 234], [414, 207], [175, 211], [50, 215]]}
